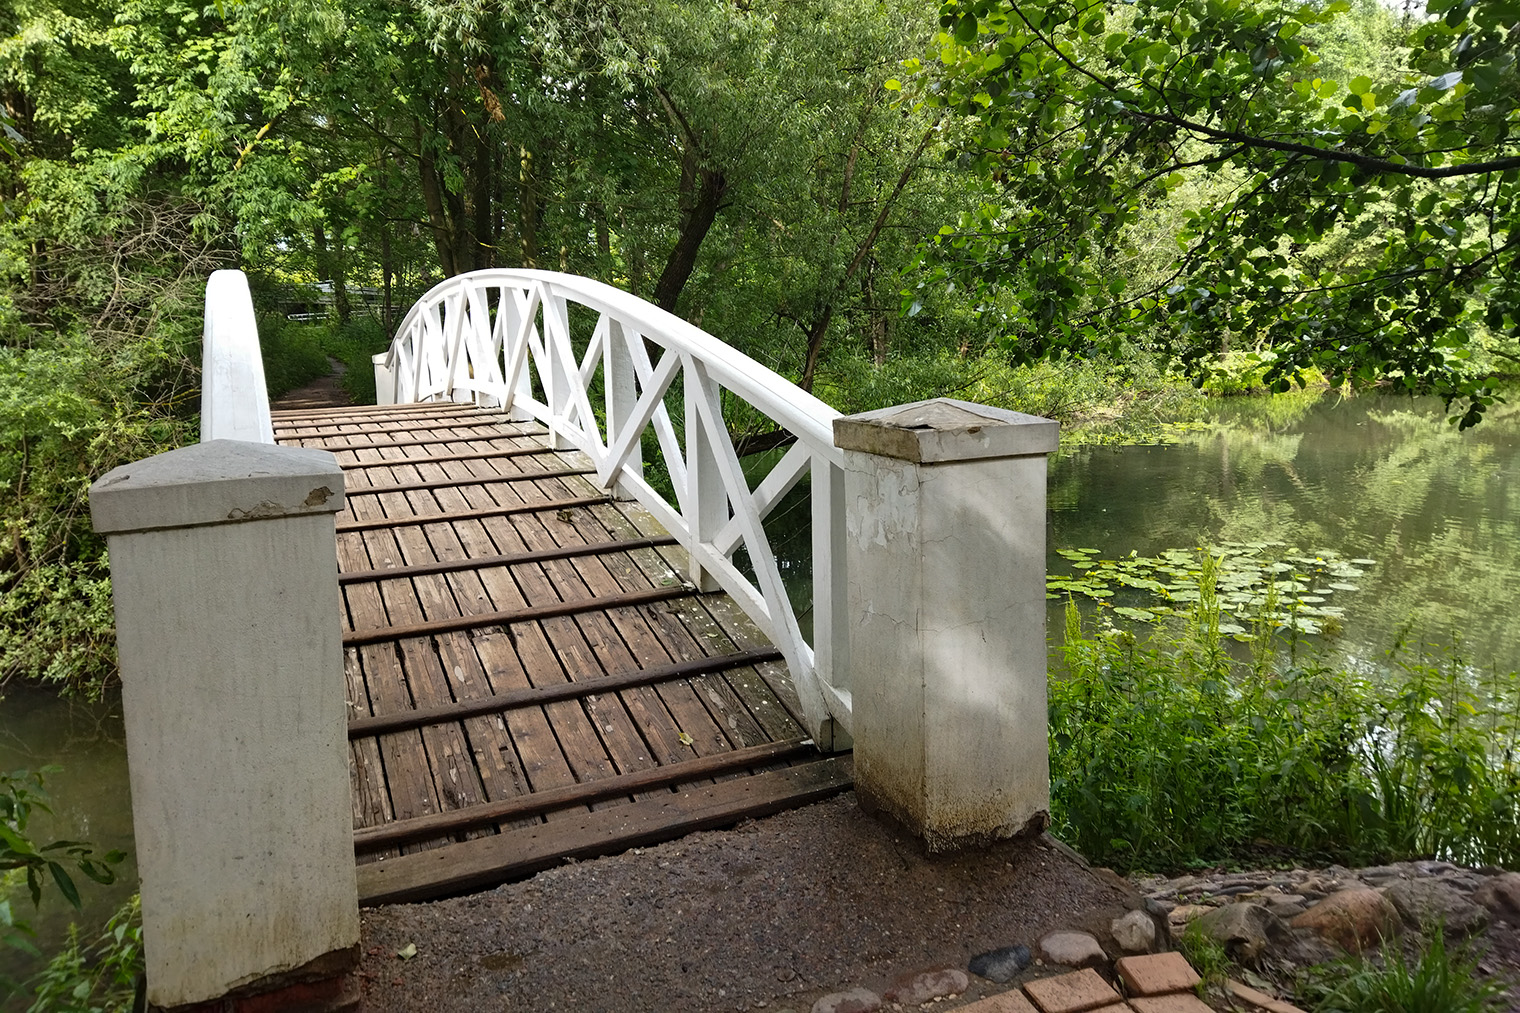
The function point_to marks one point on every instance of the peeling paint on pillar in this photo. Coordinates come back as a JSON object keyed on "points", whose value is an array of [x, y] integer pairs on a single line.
{"points": [[946, 527]]}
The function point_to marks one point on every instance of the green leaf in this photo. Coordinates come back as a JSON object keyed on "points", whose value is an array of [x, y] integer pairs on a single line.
{"points": [[65, 884]]}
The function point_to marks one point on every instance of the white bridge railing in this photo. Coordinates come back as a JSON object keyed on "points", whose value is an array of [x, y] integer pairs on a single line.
{"points": [[510, 339]]}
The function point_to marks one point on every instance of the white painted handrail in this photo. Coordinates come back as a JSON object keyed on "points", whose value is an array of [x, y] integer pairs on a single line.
{"points": [[234, 399], [502, 338]]}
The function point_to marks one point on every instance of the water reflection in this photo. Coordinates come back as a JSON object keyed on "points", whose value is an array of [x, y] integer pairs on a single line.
{"points": [[1383, 477], [90, 798]]}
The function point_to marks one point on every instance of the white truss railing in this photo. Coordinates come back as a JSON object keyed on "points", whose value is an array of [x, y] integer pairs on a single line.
{"points": [[503, 338]]}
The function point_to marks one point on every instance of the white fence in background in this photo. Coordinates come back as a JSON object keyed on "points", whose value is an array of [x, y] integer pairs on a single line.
{"points": [[504, 338]]}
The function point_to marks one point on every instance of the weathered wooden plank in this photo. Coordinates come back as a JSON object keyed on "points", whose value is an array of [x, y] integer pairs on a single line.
{"points": [[671, 627], [450, 763], [505, 559], [511, 660], [476, 455], [685, 772], [728, 617], [445, 483], [537, 696], [491, 860], [450, 516], [623, 747], [417, 408], [504, 617], [344, 429], [431, 442]]}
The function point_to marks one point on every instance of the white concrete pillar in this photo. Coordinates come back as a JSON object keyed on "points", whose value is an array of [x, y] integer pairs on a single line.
{"points": [[945, 535], [224, 575]]}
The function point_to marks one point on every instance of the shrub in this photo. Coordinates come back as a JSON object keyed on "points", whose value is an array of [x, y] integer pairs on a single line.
{"points": [[1174, 751]]}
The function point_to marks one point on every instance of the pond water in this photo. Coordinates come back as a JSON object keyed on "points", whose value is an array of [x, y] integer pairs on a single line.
{"points": [[1380, 477], [89, 796]]}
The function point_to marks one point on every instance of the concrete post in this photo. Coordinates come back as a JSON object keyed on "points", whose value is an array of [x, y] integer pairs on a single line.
{"points": [[385, 384], [224, 576], [945, 535]]}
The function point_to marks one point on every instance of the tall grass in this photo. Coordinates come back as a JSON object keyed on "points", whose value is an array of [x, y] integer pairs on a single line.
{"points": [[1173, 751]]}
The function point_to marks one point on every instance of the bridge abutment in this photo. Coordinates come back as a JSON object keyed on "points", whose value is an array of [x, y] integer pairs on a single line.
{"points": [[225, 584], [945, 542]]}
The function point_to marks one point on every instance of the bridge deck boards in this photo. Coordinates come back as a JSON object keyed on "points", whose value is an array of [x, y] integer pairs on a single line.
{"points": [[672, 697]]}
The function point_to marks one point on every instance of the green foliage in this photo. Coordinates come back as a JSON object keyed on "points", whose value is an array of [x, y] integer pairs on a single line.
{"points": [[1175, 751], [1361, 226], [21, 794], [97, 977], [294, 354], [353, 344], [1206, 954], [1438, 980]]}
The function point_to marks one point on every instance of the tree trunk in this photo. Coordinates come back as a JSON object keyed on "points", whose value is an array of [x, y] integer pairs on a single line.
{"points": [[696, 221], [330, 265], [432, 197], [527, 210]]}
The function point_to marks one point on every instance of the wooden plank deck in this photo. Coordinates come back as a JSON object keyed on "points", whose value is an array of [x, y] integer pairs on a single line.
{"points": [[530, 677]]}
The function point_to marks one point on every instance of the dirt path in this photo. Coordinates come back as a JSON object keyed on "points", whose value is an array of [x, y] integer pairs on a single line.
{"points": [[772, 914]]}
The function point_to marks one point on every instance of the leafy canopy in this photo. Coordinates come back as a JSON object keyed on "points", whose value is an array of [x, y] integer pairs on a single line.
{"points": [[1364, 228]]}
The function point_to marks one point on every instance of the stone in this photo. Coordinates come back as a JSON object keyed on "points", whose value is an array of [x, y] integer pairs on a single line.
{"points": [[1182, 914], [1007, 1002], [1500, 894], [1424, 903], [1245, 930], [926, 986], [1353, 919], [855, 1000], [1001, 965], [1072, 949], [1071, 993], [1156, 974], [1135, 932]]}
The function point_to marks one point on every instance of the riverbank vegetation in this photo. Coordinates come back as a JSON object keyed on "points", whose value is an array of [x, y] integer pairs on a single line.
{"points": [[1173, 749]]}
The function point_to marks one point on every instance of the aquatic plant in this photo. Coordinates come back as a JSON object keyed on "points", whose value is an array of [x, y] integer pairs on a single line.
{"points": [[1266, 582]]}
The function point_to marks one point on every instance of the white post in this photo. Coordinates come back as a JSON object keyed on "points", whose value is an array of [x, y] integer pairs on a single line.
{"points": [[618, 379], [831, 612], [706, 499], [385, 384], [224, 576], [945, 535]]}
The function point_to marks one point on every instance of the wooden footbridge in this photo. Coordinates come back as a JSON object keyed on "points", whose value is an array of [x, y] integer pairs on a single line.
{"points": [[531, 676], [527, 609]]}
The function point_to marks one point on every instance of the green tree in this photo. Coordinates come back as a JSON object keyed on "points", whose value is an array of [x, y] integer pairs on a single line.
{"points": [[1084, 114]]}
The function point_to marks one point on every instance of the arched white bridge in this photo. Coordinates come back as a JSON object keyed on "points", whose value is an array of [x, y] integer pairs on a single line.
{"points": [[514, 339]]}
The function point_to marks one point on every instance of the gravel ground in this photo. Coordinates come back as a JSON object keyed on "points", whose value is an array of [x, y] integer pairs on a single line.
{"points": [[771, 914]]}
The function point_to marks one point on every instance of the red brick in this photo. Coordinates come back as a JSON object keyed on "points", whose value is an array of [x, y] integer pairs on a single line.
{"points": [[1180, 1002], [1259, 1000], [1077, 992], [1156, 974], [1008, 1002]]}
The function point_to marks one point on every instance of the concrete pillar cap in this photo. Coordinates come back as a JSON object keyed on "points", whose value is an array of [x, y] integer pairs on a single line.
{"points": [[218, 482], [943, 429]]}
